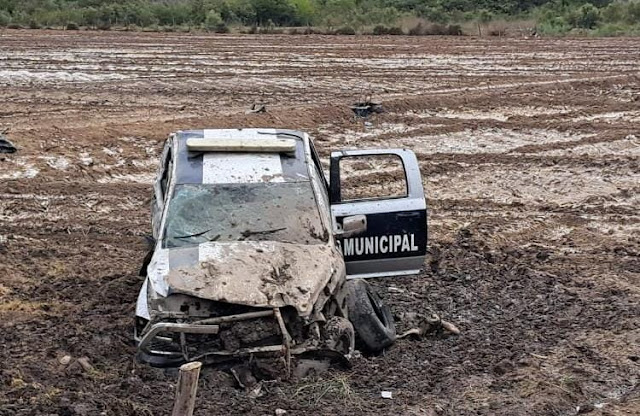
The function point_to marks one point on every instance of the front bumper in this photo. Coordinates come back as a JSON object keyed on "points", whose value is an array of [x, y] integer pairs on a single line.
{"points": [[175, 342]]}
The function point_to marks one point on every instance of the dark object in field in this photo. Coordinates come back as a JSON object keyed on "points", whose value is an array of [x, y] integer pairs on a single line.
{"points": [[257, 108], [5, 145], [366, 108]]}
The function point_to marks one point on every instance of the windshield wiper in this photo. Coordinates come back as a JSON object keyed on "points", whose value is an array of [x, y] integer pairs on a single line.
{"points": [[200, 234], [248, 233]]}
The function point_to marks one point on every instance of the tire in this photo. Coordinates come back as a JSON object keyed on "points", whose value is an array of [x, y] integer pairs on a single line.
{"points": [[159, 361], [370, 317]]}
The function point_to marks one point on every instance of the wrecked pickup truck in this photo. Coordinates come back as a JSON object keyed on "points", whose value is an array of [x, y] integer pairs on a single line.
{"points": [[256, 254]]}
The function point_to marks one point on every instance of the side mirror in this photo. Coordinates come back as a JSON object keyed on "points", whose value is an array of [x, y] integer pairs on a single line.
{"points": [[353, 225]]}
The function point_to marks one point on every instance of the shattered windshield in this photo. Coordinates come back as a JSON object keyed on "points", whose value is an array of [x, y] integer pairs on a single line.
{"points": [[284, 212]]}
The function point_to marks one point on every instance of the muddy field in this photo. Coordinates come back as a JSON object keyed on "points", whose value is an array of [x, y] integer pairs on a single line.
{"points": [[530, 153]]}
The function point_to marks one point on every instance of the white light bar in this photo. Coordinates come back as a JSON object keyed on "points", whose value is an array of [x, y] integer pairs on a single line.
{"points": [[266, 145]]}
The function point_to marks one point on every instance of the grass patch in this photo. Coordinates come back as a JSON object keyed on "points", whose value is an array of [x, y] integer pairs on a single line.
{"points": [[337, 388]]}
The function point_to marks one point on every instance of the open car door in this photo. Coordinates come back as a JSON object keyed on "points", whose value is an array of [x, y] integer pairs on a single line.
{"points": [[382, 188]]}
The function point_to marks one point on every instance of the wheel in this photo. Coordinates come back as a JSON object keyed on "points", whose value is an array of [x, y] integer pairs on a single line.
{"points": [[159, 361], [340, 335], [370, 317]]}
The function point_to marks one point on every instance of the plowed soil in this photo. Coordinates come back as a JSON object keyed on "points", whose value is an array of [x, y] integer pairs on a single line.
{"points": [[530, 154]]}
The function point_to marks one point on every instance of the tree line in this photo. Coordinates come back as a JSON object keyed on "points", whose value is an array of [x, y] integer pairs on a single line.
{"points": [[555, 16]]}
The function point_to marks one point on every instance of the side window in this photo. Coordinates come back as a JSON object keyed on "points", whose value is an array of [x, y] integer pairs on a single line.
{"points": [[371, 177], [166, 175], [318, 165]]}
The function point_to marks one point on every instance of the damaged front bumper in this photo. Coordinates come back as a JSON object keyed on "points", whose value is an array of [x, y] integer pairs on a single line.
{"points": [[165, 343]]}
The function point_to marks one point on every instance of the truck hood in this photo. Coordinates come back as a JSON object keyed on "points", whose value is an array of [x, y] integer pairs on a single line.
{"points": [[261, 274]]}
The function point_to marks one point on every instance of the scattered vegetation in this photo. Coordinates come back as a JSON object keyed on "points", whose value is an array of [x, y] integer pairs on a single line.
{"points": [[377, 17], [337, 388]]}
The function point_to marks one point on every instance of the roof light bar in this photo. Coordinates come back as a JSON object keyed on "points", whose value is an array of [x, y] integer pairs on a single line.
{"points": [[266, 145]]}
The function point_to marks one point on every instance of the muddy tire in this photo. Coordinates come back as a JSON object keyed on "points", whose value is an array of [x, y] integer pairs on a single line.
{"points": [[340, 335], [371, 318], [159, 361]]}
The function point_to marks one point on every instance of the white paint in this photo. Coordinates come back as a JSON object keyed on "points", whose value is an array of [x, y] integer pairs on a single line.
{"points": [[241, 168], [157, 272], [238, 167], [142, 307], [383, 274]]}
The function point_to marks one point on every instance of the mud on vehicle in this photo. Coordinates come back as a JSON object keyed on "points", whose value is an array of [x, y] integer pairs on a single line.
{"points": [[255, 253]]}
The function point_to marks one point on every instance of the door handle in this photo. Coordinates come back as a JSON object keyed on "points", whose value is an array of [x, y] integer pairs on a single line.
{"points": [[412, 214]]}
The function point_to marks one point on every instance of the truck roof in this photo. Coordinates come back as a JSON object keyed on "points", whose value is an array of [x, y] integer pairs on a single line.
{"points": [[217, 167]]}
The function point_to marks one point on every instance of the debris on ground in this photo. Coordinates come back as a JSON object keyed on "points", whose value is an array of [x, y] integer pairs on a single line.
{"points": [[366, 108], [307, 367], [243, 375], [86, 365], [257, 108], [65, 360], [5, 145], [280, 412], [423, 324], [386, 395]]}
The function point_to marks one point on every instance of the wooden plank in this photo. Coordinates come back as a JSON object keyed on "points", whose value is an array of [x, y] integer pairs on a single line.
{"points": [[186, 389]]}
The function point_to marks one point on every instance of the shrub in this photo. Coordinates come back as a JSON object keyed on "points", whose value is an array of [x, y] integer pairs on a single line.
{"points": [[586, 17], [554, 26], [214, 23], [345, 30], [14, 26], [611, 29], [417, 30], [379, 30], [34, 24], [72, 26], [383, 30], [436, 29], [213, 20], [454, 30], [5, 18]]}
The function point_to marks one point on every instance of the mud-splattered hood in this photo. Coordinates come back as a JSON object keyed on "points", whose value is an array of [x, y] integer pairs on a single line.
{"points": [[260, 274]]}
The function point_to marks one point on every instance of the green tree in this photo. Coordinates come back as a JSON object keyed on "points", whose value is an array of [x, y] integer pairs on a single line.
{"points": [[305, 11], [213, 20], [586, 17], [5, 18], [279, 12]]}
